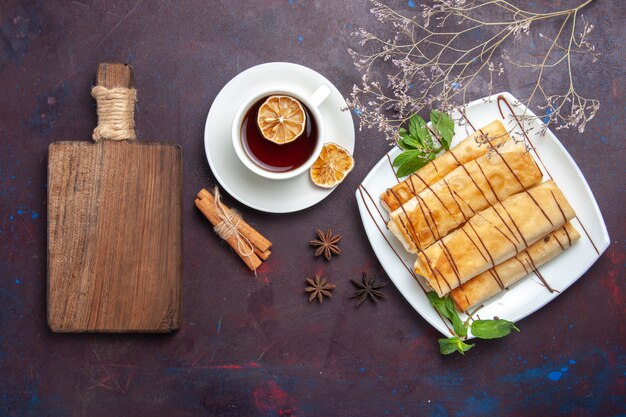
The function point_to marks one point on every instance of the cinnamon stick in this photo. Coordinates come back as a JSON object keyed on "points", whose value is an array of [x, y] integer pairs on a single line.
{"points": [[257, 239], [207, 207], [262, 255]]}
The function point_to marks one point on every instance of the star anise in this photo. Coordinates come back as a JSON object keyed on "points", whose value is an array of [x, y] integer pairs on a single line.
{"points": [[367, 288], [326, 244], [319, 288]]}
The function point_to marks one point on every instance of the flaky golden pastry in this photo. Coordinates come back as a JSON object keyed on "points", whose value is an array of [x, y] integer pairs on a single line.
{"points": [[493, 235], [472, 187], [474, 146], [492, 281]]}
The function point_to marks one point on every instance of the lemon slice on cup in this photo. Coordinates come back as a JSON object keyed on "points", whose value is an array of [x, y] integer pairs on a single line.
{"points": [[332, 166], [281, 119]]}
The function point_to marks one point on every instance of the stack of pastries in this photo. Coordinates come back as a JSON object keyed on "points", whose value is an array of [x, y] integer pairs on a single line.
{"points": [[479, 217]]}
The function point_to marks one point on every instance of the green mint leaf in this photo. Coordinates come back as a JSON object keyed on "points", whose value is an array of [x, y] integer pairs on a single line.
{"points": [[417, 142], [453, 344], [419, 131], [438, 303], [414, 123], [492, 329], [406, 141], [405, 156], [424, 135], [410, 166], [444, 126], [402, 145], [403, 133], [445, 307], [464, 347], [449, 345], [410, 143], [413, 164], [449, 305], [459, 327]]}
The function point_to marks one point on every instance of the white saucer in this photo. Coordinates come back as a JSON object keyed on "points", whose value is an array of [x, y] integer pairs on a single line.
{"points": [[273, 196]]}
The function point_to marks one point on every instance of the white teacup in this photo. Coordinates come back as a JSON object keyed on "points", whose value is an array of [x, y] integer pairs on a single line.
{"points": [[311, 102]]}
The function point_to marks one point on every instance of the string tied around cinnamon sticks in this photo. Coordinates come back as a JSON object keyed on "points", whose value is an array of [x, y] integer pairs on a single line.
{"points": [[228, 226], [116, 113], [252, 247]]}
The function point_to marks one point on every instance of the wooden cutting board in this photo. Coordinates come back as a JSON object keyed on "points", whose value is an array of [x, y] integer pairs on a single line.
{"points": [[114, 231]]}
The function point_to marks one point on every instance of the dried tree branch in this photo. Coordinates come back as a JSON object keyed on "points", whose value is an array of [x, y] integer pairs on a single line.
{"points": [[434, 61]]}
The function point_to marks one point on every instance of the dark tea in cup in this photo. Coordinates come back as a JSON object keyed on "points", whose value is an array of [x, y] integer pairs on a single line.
{"points": [[275, 157], [279, 132]]}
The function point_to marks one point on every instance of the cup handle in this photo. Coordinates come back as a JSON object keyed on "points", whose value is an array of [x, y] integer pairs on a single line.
{"points": [[321, 94]]}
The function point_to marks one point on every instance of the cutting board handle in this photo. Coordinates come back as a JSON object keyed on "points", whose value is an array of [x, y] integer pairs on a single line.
{"points": [[115, 96]]}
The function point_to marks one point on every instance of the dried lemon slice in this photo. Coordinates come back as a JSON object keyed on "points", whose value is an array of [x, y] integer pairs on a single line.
{"points": [[281, 119], [332, 166]]}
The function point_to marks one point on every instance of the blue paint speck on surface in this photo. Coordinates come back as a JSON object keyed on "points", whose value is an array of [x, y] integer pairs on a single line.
{"points": [[356, 112], [300, 38], [18, 281], [362, 369], [572, 361], [549, 111], [411, 4], [25, 211], [603, 139], [564, 369], [290, 1], [456, 85], [554, 375]]}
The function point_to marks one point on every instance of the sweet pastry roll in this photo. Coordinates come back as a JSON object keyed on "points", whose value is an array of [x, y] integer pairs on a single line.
{"points": [[472, 187], [492, 281], [493, 235], [474, 146]]}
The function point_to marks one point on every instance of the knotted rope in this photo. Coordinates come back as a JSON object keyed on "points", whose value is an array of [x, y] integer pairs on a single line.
{"points": [[116, 109], [227, 227]]}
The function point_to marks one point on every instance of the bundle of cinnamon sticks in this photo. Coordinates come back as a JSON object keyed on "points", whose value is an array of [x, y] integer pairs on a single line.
{"points": [[251, 246]]}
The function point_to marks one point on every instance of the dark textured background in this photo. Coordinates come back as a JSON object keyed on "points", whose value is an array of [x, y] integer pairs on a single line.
{"points": [[255, 346]]}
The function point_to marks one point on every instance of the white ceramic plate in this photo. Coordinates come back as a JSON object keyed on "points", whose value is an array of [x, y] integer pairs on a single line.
{"points": [[528, 294], [273, 196]]}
